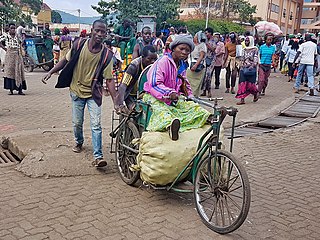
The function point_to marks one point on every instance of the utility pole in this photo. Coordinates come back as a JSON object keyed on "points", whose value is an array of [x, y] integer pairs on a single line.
{"points": [[207, 19], [79, 19]]}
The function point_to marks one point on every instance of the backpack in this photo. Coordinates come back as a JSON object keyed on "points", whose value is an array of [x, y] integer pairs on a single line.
{"points": [[66, 74]]}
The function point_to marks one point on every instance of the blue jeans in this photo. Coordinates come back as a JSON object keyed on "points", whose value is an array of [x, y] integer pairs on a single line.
{"points": [[309, 70], [78, 105]]}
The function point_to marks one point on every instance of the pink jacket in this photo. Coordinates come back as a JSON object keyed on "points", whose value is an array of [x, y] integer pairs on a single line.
{"points": [[163, 80]]}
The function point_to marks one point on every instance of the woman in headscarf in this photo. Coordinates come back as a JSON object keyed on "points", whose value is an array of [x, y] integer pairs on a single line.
{"points": [[65, 43], [197, 69], [166, 82], [14, 78], [248, 71], [56, 47], [266, 52]]}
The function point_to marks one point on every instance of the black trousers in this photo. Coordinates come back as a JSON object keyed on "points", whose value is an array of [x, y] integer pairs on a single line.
{"points": [[232, 75], [217, 71]]}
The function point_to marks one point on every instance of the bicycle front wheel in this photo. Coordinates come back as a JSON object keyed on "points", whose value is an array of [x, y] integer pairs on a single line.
{"points": [[222, 192]]}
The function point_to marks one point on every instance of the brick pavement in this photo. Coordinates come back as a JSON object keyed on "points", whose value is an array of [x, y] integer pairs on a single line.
{"points": [[282, 168]]}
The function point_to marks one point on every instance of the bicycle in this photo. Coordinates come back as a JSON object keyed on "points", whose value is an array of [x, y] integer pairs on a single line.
{"points": [[221, 186]]}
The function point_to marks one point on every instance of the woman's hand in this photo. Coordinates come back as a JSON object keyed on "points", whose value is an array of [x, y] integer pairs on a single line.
{"points": [[194, 67], [174, 96]]}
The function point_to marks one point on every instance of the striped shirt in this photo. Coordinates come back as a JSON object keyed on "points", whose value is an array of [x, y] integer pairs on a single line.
{"points": [[10, 42], [266, 53]]}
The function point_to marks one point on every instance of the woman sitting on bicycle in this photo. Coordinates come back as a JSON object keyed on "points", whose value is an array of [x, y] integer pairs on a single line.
{"points": [[166, 82]]}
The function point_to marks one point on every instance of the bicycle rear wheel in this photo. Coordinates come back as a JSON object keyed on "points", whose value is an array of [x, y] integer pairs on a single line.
{"points": [[222, 192], [124, 156]]}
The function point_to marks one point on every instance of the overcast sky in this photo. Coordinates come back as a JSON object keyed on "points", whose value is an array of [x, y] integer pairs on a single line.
{"points": [[71, 6]]}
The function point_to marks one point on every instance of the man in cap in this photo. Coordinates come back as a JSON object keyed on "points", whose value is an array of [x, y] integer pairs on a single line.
{"points": [[307, 53]]}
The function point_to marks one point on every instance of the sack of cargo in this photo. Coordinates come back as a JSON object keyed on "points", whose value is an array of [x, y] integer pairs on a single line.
{"points": [[264, 28], [160, 160]]}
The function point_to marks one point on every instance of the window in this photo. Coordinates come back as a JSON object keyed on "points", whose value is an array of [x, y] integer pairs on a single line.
{"points": [[275, 8]]}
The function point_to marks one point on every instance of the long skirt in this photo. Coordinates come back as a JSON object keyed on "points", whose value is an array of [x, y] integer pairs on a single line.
{"points": [[263, 77], [190, 114], [247, 86], [14, 78], [195, 79], [206, 83]]}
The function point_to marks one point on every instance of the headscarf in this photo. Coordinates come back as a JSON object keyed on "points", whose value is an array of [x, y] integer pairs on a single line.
{"points": [[251, 44], [57, 31], [182, 39], [65, 31], [83, 33]]}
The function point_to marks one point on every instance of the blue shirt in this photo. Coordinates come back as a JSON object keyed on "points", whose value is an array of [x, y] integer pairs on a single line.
{"points": [[266, 53]]}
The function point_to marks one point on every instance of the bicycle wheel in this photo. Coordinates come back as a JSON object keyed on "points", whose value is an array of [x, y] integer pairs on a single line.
{"points": [[27, 64], [124, 156], [222, 192]]}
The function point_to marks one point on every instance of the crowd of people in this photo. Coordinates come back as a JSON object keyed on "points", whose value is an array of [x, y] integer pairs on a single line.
{"points": [[181, 64]]}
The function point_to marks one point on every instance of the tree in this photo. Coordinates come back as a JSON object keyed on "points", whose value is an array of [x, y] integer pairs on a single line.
{"points": [[238, 9], [163, 9], [10, 11], [56, 17], [34, 5]]}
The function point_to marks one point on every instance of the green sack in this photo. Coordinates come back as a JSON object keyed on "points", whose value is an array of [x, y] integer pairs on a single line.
{"points": [[160, 159]]}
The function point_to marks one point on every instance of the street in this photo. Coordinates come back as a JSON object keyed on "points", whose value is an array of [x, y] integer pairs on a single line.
{"points": [[65, 197]]}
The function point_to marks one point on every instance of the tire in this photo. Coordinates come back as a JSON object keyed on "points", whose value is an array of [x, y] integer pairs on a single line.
{"points": [[222, 200], [124, 157], [28, 64]]}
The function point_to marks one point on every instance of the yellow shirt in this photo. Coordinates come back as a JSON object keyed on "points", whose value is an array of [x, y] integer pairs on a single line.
{"points": [[84, 71]]}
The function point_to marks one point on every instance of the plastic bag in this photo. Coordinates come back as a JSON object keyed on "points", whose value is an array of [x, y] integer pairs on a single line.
{"points": [[284, 69]]}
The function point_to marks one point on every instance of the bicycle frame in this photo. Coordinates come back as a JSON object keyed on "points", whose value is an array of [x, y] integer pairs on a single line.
{"points": [[206, 144]]}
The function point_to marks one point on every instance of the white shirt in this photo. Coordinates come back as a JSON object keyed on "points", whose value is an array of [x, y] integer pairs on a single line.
{"points": [[308, 51], [285, 45], [291, 54], [195, 54]]}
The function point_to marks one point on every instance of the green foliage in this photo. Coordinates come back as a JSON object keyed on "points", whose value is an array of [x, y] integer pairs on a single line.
{"points": [[200, 24], [34, 5], [56, 17], [10, 11], [246, 11], [242, 8], [163, 9]]}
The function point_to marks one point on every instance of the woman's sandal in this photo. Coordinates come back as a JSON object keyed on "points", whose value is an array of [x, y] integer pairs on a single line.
{"points": [[240, 103]]}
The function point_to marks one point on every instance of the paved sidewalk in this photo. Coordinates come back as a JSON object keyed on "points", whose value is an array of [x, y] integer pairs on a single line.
{"points": [[282, 168]]}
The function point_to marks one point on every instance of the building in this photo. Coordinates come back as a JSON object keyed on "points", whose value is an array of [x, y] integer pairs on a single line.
{"points": [[44, 16], [310, 19], [285, 13]]}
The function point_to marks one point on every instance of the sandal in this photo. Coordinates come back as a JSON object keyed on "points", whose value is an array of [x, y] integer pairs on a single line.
{"points": [[240, 103]]}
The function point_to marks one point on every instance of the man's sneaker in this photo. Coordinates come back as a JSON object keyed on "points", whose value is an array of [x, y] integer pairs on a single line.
{"points": [[174, 129], [77, 148], [100, 162]]}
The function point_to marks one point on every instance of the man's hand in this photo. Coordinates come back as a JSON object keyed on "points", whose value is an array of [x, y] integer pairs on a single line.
{"points": [[121, 109], [46, 78]]}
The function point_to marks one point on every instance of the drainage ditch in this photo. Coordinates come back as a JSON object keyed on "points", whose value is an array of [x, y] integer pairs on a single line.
{"points": [[303, 109]]}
